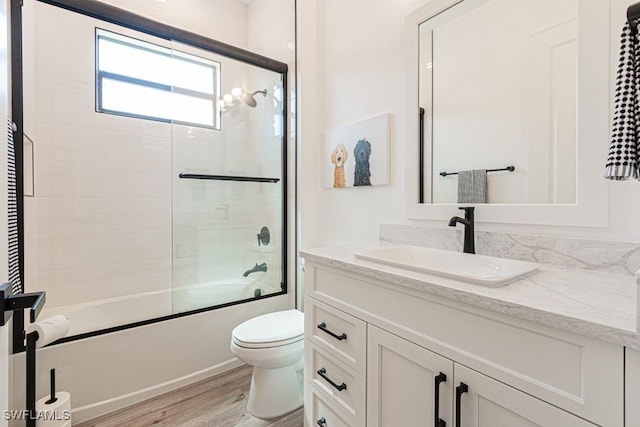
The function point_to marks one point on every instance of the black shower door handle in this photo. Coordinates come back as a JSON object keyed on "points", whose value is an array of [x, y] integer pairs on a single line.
{"points": [[460, 390], [323, 327], [440, 378]]}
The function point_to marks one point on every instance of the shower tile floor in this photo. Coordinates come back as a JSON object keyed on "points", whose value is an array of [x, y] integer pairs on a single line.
{"points": [[220, 401]]}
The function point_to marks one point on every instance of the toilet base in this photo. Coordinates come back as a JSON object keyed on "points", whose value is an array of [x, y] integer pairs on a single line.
{"points": [[275, 392]]}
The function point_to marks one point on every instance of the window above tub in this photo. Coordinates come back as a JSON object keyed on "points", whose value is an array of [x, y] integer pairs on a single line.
{"points": [[140, 79]]}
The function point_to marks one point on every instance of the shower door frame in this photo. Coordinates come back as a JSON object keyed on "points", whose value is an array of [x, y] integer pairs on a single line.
{"points": [[114, 15]]}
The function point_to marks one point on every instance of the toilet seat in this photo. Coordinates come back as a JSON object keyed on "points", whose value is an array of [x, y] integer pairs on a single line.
{"points": [[270, 330], [270, 344]]}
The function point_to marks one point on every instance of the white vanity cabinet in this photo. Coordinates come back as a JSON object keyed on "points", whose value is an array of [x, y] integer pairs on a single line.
{"points": [[401, 391], [389, 345]]}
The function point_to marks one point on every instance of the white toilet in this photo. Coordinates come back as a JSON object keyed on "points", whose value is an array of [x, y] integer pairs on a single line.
{"points": [[274, 344]]}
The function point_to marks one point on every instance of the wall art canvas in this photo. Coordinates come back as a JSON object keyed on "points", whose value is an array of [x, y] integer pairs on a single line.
{"points": [[357, 155]]}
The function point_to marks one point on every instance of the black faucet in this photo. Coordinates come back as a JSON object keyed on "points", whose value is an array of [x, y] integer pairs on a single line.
{"points": [[469, 244], [261, 267]]}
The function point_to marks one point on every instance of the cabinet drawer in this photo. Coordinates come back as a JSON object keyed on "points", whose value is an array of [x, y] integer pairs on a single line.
{"points": [[324, 414], [336, 382], [340, 334]]}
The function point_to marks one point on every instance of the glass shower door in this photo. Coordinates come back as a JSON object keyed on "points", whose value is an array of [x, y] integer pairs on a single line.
{"points": [[228, 192]]}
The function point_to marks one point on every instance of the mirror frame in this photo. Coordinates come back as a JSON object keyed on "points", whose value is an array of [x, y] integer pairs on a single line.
{"points": [[591, 207]]}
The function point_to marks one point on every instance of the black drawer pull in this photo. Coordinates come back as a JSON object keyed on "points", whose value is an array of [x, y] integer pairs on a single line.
{"points": [[322, 373], [323, 327], [440, 378], [460, 390], [321, 422]]}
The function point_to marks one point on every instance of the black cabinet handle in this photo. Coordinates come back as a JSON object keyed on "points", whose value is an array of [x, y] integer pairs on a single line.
{"points": [[460, 390], [323, 327], [322, 373], [321, 422], [440, 378]]}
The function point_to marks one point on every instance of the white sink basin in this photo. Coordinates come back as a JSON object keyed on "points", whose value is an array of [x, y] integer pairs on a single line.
{"points": [[477, 269]]}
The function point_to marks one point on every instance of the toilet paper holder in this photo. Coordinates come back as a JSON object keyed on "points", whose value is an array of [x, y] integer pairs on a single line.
{"points": [[34, 302]]}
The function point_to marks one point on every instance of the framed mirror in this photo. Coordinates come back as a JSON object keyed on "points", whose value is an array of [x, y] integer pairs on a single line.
{"points": [[514, 94]]}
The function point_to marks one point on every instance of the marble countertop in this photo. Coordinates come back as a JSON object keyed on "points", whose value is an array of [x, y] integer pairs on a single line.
{"points": [[598, 304]]}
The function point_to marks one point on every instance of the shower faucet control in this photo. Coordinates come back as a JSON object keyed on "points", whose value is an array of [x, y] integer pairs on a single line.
{"points": [[262, 267], [264, 237]]}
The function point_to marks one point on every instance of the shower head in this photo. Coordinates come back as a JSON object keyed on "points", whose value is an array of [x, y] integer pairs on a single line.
{"points": [[248, 97]]}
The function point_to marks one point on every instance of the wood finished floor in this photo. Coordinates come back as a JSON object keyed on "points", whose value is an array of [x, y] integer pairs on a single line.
{"points": [[220, 401]]}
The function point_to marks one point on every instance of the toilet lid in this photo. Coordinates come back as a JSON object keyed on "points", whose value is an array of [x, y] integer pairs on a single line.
{"points": [[271, 328]]}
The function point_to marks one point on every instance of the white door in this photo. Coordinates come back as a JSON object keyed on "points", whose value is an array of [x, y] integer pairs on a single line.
{"points": [[552, 85], [401, 378], [4, 330], [489, 403]]}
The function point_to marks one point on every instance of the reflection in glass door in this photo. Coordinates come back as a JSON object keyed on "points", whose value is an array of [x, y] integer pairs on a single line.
{"points": [[228, 190]]}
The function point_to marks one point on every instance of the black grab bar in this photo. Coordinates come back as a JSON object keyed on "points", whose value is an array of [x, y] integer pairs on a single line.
{"points": [[228, 178]]}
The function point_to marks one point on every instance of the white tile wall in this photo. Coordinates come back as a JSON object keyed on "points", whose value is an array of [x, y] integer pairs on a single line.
{"points": [[73, 285], [101, 218]]}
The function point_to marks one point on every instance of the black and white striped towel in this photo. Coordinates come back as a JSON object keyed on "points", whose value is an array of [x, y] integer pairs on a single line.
{"points": [[623, 161], [12, 207]]}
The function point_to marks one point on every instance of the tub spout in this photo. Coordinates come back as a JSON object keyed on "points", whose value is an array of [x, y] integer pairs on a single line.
{"points": [[261, 267]]}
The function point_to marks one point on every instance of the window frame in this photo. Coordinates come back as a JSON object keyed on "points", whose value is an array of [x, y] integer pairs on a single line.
{"points": [[216, 67]]}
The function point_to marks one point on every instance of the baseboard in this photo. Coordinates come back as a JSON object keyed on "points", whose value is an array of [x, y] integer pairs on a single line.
{"points": [[94, 410]]}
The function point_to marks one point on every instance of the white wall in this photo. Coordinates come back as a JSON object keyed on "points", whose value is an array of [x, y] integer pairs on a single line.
{"points": [[357, 73], [361, 63], [222, 20]]}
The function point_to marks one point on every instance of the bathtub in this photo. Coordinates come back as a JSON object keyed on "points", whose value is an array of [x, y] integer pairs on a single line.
{"points": [[107, 372], [112, 312], [209, 294]]}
